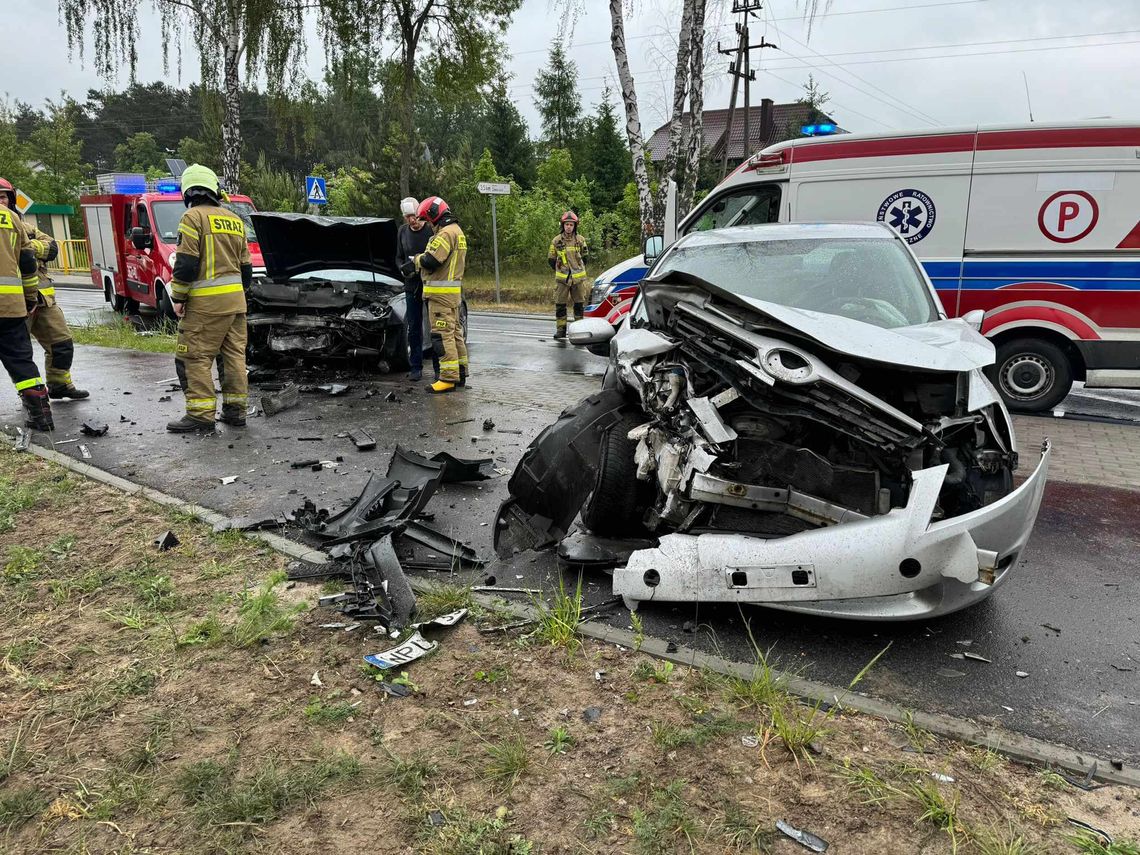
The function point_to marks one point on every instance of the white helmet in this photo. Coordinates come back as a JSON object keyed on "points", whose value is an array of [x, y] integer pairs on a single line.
{"points": [[409, 206]]}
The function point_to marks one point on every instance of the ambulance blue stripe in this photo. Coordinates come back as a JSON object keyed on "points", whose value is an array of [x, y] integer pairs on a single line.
{"points": [[1078, 284], [1123, 275], [634, 274]]}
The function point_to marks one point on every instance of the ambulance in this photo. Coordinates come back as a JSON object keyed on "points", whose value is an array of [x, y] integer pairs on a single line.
{"points": [[132, 236], [1037, 225]]}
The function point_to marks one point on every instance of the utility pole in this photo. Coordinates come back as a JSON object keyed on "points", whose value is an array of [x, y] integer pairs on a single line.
{"points": [[741, 69]]}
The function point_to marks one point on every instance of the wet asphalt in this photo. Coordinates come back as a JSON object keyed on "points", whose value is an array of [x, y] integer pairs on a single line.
{"points": [[1068, 617]]}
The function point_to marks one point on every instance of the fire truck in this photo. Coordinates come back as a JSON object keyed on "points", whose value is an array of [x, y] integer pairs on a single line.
{"points": [[132, 236], [1037, 225]]}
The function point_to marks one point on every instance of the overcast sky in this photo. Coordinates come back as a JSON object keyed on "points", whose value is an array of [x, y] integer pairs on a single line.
{"points": [[1080, 59]]}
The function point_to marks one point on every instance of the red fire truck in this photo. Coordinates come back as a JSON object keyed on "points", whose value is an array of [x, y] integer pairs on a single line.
{"points": [[132, 236]]}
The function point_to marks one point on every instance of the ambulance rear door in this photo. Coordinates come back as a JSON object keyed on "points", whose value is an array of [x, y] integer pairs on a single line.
{"points": [[919, 185]]}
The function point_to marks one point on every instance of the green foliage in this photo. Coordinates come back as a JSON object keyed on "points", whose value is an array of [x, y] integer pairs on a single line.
{"points": [[559, 740], [1088, 843], [608, 156], [410, 775], [557, 98], [558, 622], [18, 806], [261, 613], [323, 712], [140, 153], [465, 834], [508, 761], [665, 822], [274, 189]]}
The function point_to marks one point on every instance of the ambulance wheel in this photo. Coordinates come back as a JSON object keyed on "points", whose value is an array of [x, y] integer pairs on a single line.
{"points": [[118, 303], [1032, 375]]}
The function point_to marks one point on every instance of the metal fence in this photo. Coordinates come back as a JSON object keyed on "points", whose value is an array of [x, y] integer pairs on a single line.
{"points": [[73, 257]]}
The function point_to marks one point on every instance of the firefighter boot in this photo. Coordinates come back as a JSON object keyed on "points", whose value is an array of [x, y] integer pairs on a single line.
{"points": [[187, 424], [440, 387], [559, 321], [67, 390], [579, 311], [462, 376], [233, 414], [39, 409]]}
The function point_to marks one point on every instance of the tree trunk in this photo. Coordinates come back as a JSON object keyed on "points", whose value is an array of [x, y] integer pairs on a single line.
{"points": [[680, 90], [407, 118], [632, 118], [231, 97], [696, 110]]}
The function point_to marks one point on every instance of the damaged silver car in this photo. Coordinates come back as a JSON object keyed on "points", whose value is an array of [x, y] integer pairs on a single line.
{"points": [[332, 291], [789, 419]]}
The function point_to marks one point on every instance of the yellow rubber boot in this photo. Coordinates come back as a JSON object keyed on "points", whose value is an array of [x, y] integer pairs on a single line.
{"points": [[439, 387]]}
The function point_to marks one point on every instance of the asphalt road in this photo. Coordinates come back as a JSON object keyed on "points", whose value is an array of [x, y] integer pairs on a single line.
{"points": [[1067, 617]]}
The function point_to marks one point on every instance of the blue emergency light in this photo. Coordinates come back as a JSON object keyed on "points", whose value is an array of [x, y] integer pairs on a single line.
{"points": [[129, 184], [169, 185], [818, 130]]}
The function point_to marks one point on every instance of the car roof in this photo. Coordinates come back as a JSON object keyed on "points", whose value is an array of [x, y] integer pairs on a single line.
{"points": [[789, 231]]}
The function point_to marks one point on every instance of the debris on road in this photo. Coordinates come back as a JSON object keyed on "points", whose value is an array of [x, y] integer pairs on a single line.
{"points": [[392, 397], [1021, 674], [92, 429], [977, 657], [409, 651], [591, 715], [303, 464], [459, 422], [330, 389], [278, 520], [228, 479], [23, 439], [85, 451], [456, 470], [481, 588], [166, 541], [1085, 783], [750, 741], [280, 401], [362, 439], [1103, 836], [488, 424], [804, 838]]}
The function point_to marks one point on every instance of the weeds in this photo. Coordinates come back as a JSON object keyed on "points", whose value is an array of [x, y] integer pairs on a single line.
{"points": [[558, 623], [16, 757], [1088, 843], [16, 496], [647, 671], [867, 784], [408, 776], [105, 695], [798, 731], [671, 736], [261, 613], [23, 565], [205, 632], [132, 618], [319, 712], [665, 821], [442, 600], [742, 833], [464, 834], [915, 735], [492, 676], [559, 740], [988, 841], [18, 806], [509, 759], [219, 797], [600, 824], [638, 631], [937, 810]]}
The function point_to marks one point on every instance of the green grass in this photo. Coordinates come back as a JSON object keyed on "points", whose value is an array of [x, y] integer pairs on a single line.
{"points": [[23, 565], [937, 809], [700, 733], [408, 776], [205, 632], [638, 630], [649, 672], [559, 740], [105, 695], [798, 727], [219, 796], [463, 833], [742, 832], [509, 759], [665, 822], [441, 600], [558, 622], [1088, 843], [989, 841], [18, 806], [320, 712], [118, 333], [261, 613]]}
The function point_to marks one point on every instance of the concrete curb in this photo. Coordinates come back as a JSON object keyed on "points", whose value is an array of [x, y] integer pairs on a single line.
{"points": [[513, 315], [1018, 747]]}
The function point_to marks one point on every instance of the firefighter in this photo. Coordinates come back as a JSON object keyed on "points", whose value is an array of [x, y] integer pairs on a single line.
{"points": [[441, 266], [47, 324], [19, 297], [567, 259], [212, 269], [411, 240]]}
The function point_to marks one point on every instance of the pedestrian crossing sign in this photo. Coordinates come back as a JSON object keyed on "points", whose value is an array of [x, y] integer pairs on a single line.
{"points": [[315, 191]]}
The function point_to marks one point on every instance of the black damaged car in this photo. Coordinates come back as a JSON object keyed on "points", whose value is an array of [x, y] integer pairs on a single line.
{"points": [[332, 290]]}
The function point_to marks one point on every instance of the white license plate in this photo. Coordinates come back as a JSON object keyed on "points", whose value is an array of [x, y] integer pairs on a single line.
{"points": [[405, 652]]}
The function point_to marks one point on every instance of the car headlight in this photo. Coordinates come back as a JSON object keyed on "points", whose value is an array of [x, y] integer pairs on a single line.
{"points": [[599, 291]]}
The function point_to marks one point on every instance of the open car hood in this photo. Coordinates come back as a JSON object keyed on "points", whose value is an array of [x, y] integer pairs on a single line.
{"points": [[292, 244], [943, 345]]}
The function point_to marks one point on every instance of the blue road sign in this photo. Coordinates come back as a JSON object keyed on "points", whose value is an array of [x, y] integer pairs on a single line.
{"points": [[315, 191]]}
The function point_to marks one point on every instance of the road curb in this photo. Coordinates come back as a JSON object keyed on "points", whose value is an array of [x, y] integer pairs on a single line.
{"points": [[1017, 746]]}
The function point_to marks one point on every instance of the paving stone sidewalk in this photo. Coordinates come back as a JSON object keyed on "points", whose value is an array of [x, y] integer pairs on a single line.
{"points": [[1083, 452]]}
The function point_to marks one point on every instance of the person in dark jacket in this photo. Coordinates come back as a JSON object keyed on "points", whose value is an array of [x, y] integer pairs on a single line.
{"points": [[412, 240]]}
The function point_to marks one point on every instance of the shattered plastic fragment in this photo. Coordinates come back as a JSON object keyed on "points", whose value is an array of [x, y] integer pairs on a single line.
{"points": [[977, 657], [276, 403], [316, 680], [804, 838], [749, 741], [942, 779], [229, 479], [488, 424], [470, 702], [1021, 673], [91, 429], [166, 541], [362, 439], [85, 451]]}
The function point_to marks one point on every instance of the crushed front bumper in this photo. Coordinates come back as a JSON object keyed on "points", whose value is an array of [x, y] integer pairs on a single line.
{"points": [[898, 566]]}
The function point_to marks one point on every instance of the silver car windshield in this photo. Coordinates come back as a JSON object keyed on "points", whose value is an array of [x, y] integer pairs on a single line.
{"points": [[872, 280]]}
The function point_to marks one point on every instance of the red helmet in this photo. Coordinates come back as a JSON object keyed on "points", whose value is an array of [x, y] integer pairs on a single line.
{"points": [[569, 217], [432, 209], [8, 190]]}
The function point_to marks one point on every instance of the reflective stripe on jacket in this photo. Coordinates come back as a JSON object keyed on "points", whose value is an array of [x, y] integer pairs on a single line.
{"points": [[569, 256], [16, 289]]}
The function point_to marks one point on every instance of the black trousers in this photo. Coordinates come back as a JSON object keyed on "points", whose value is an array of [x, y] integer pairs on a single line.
{"points": [[16, 353]]}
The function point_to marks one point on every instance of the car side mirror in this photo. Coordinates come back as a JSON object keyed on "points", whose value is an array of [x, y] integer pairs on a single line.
{"points": [[141, 238], [590, 331], [653, 247], [975, 318]]}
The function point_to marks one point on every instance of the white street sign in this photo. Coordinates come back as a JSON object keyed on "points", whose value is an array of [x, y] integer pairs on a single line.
{"points": [[491, 188]]}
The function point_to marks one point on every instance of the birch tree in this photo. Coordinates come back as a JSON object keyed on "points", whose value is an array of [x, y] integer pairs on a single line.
{"points": [[632, 116], [259, 36], [695, 142], [682, 74]]}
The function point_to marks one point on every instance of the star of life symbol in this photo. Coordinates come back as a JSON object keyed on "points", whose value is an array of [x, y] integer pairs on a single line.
{"points": [[910, 213]]}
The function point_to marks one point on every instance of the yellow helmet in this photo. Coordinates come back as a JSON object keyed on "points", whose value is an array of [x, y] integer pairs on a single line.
{"points": [[198, 177]]}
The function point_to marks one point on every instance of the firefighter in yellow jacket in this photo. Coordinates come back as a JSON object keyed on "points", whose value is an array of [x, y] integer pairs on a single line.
{"points": [[47, 324], [20, 296], [567, 259], [441, 268], [212, 270]]}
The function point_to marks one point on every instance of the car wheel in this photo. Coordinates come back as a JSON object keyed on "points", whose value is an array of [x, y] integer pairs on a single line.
{"points": [[395, 352], [615, 508], [118, 303], [162, 303], [1032, 375]]}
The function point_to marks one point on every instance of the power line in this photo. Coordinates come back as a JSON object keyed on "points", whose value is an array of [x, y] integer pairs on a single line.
{"points": [[837, 104]]}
